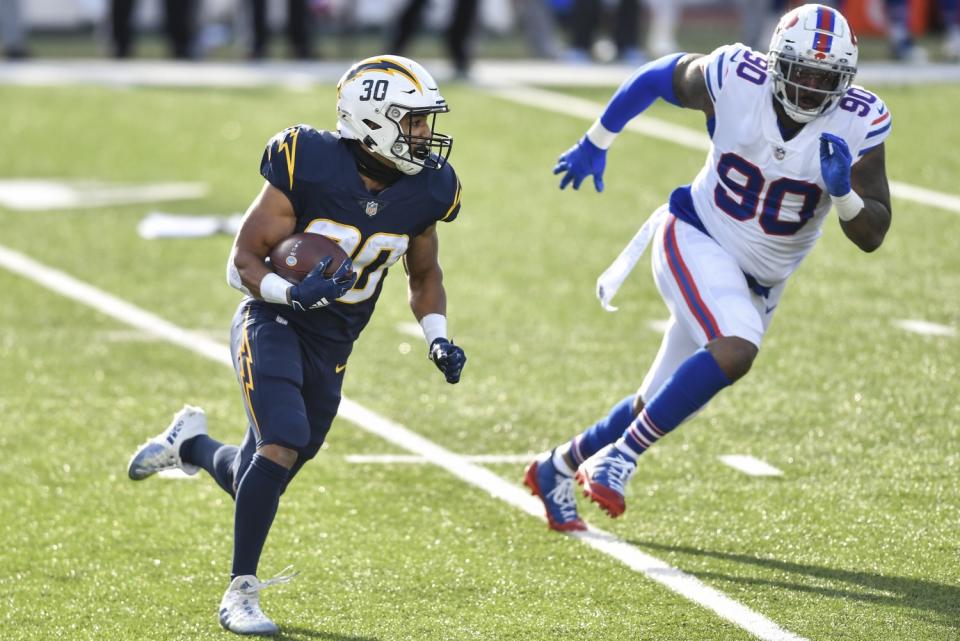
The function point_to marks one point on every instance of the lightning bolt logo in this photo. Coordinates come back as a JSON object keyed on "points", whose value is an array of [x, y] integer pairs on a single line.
{"points": [[385, 65], [245, 367], [289, 149]]}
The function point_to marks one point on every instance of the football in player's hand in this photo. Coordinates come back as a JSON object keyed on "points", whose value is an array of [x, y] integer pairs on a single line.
{"points": [[296, 255]]}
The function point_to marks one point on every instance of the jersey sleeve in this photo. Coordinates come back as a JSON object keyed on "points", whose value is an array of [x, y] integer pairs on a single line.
{"points": [[447, 195], [279, 159], [875, 124], [289, 161], [717, 67]]}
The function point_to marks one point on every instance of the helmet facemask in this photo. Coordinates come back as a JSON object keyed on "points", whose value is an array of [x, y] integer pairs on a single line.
{"points": [[807, 90], [430, 152], [812, 61]]}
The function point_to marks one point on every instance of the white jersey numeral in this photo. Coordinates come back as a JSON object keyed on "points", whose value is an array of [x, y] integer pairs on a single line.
{"points": [[377, 253]]}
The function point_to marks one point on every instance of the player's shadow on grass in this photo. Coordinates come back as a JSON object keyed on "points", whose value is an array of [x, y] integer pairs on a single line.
{"points": [[938, 599], [288, 633]]}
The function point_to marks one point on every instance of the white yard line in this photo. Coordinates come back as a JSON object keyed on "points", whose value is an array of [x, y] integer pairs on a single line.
{"points": [[750, 465], [300, 76], [413, 459], [369, 421], [694, 139], [926, 328], [40, 194]]}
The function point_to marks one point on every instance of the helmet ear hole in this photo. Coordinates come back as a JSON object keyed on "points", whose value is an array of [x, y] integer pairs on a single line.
{"points": [[370, 123]]}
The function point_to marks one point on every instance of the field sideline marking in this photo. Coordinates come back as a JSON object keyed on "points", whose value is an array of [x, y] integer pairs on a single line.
{"points": [[750, 465], [680, 582], [569, 105], [924, 328], [419, 460]]}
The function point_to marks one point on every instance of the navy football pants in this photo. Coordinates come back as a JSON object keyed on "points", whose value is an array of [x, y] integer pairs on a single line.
{"points": [[291, 391]]}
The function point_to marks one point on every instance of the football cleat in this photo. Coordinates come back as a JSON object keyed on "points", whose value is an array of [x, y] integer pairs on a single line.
{"points": [[604, 478], [240, 606], [162, 452], [555, 491]]}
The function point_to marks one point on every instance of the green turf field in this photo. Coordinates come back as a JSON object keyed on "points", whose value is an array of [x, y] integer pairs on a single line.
{"points": [[858, 540]]}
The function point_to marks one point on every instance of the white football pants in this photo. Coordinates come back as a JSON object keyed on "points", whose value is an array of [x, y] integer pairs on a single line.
{"points": [[708, 297]]}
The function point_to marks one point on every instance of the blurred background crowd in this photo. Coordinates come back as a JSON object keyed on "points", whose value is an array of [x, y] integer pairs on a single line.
{"points": [[574, 31]]}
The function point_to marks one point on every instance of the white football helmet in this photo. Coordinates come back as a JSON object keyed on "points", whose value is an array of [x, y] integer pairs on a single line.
{"points": [[375, 94], [812, 61]]}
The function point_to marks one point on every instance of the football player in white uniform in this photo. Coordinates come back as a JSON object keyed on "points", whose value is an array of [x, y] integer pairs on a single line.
{"points": [[791, 137]]}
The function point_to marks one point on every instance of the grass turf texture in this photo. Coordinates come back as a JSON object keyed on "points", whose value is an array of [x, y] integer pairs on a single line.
{"points": [[856, 541]]}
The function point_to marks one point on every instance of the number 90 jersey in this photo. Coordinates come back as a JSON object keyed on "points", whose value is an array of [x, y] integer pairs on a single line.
{"points": [[760, 197], [317, 172]]}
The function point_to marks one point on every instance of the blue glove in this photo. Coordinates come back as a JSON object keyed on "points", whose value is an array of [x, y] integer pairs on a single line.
{"points": [[316, 290], [582, 160], [448, 358], [835, 166]]}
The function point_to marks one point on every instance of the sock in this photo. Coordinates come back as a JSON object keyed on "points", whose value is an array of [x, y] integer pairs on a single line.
{"points": [[258, 496], [594, 438], [696, 381], [213, 456]]}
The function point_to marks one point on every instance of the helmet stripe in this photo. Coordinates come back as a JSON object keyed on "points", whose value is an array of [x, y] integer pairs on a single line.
{"points": [[825, 22], [387, 66]]}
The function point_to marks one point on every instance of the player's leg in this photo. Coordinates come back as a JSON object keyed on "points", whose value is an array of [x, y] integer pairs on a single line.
{"points": [[550, 475], [270, 374], [708, 295], [225, 463], [213, 456], [323, 376]]}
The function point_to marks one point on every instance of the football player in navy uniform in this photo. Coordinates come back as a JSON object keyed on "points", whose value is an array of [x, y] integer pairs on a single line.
{"points": [[378, 186]]}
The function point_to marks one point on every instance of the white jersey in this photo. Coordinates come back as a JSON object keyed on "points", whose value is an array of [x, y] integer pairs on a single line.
{"points": [[759, 197]]}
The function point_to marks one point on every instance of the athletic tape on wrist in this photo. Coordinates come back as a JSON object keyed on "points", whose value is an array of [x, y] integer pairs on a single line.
{"points": [[848, 205], [273, 289], [600, 135], [434, 327]]}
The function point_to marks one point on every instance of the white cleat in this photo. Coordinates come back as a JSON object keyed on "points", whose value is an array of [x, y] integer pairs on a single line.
{"points": [[162, 452], [240, 606]]}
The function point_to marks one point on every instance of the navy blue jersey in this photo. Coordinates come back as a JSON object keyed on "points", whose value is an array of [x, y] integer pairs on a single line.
{"points": [[317, 172]]}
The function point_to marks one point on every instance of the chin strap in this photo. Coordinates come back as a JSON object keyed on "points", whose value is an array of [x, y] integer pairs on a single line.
{"points": [[372, 168]]}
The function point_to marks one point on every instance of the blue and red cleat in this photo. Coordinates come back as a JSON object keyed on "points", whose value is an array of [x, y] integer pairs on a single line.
{"points": [[555, 491], [604, 478]]}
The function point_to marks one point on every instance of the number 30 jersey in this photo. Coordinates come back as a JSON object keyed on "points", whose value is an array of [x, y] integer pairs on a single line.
{"points": [[317, 172], [762, 198]]}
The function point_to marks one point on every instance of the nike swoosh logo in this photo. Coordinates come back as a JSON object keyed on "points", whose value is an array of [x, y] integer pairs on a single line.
{"points": [[340, 368], [770, 309]]}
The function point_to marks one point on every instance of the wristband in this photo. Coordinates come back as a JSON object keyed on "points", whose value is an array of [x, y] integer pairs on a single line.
{"points": [[273, 289], [434, 327], [848, 205], [600, 135]]}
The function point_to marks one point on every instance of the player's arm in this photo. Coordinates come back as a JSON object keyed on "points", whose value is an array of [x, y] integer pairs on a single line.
{"points": [[868, 179], [428, 301], [860, 194], [673, 78], [269, 219], [690, 85]]}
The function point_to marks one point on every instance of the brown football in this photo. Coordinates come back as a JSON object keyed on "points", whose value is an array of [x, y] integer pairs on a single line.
{"points": [[296, 255]]}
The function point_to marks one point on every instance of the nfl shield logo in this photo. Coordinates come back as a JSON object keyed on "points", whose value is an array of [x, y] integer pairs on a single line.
{"points": [[779, 153], [371, 208]]}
